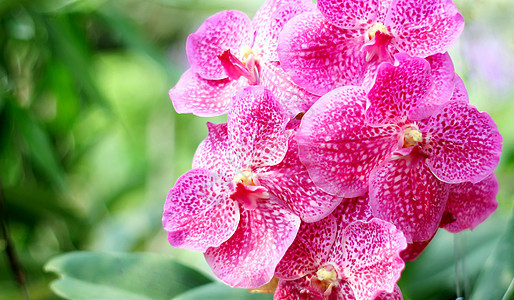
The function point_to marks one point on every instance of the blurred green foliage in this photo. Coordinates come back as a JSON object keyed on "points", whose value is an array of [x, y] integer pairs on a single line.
{"points": [[90, 143]]}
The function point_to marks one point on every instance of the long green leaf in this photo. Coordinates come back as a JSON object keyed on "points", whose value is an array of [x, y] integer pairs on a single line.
{"points": [[109, 276], [498, 274]]}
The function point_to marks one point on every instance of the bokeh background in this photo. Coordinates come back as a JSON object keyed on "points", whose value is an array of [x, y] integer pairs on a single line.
{"points": [[90, 143]]}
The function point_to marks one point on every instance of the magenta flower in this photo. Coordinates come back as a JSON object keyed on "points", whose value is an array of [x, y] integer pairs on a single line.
{"points": [[237, 205], [416, 157], [335, 46], [229, 52], [348, 255]]}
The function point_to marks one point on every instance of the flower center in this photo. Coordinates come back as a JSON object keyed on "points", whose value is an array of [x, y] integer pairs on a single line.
{"points": [[372, 31], [411, 136], [245, 177], [325, 280], [248, 54], [327, 275]]}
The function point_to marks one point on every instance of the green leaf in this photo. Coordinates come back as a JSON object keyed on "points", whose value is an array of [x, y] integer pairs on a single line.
{"points": [[496, 280], [42, 153], [129, 276], [219, 291]]}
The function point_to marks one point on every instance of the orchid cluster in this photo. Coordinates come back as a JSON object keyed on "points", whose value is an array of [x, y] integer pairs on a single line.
{"points": [[349, 141]]}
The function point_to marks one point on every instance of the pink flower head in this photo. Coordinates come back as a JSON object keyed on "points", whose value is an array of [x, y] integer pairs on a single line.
{"points": [[335, 46], [235, 196], [229, 52], [342, 143], [348, 255]]}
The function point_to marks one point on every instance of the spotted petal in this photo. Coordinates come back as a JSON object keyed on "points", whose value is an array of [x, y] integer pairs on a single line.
{"points": [[395, 295], [256, 128], [353, 13], [198, 212], [202, 97], [338, 148], [470, 204], [294, 98], [290, 182], [212, 153], [298, 289], [309, 250], [371, 260], [460, 93], [249, 258], [405, 193], [270, 20], [398, 89], [463, 144], [320, 56], [226, 30], [424, 28], [441, 91]]}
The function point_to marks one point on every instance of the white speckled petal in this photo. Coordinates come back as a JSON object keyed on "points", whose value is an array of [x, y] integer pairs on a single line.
{"points": [[405, 193], [470, 204], [226, 30], [320, 56], [269, 21], [398, 89], [256, 128], [462, 143], [441, 91], [290, 182], [354, 13], [424, 28], [338, 148], [309, 250], [294, 98], [370, 260], [198, 212], [249, 258], [212, 153], [459, 93], [395, 295], [202, 97]]}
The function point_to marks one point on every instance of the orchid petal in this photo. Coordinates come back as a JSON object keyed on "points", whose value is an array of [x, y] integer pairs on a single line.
{"points": [[470, 204], [249, 258], [212, 153], [256, 128], [198, 212], [405, 193], [424, 28], [290, 182], [398, 89], [353, 13], [459, 93], [270, 20], [441, 91], [294, 98], [226, 30], [371, 260], [338, 148], [395, 295], [202, 97], [309, 250], [320, 56], [462, 143], [415, 249]]}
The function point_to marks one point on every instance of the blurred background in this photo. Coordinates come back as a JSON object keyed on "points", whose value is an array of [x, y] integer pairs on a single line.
{"points": [[90, 143]]}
